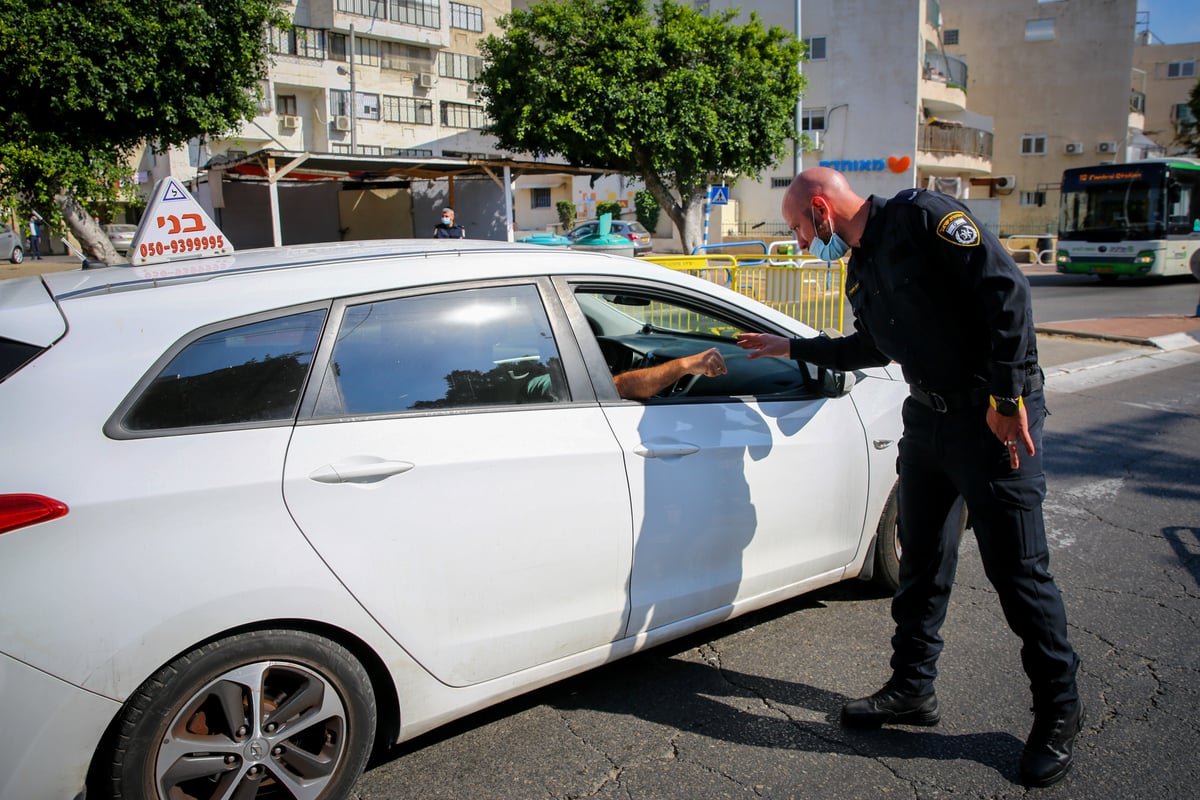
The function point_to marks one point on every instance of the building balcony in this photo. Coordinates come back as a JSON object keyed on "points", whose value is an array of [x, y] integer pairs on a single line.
{"points": [[948, 148], [943, 83]]}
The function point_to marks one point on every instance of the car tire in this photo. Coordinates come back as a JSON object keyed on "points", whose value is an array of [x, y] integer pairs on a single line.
{"points": [[887, 541], [17, 255], [191, 730]]}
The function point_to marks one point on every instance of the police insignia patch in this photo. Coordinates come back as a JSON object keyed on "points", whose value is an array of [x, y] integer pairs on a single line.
{"points": [[957, 228]]}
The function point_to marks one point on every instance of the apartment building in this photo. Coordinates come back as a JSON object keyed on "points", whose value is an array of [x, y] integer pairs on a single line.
{"points": [[988, 101], [372, 105], [1058, 79], [886, 103], [1166, 75]]}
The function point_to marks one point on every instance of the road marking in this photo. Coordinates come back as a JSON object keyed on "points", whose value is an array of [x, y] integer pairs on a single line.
{"points": [[1078, 505], [1103, 370]]}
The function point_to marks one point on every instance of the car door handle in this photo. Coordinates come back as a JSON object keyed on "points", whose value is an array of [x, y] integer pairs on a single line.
{"points": [[359, 470], [665, 449]]}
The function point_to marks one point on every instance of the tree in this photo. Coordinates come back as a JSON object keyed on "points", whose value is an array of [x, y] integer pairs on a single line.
{"points": [[1189, 130], [88, 81], [646, 209], [671, 95]]}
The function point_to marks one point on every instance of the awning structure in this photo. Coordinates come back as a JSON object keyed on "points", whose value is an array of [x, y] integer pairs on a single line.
{"points": [[274, 166]]}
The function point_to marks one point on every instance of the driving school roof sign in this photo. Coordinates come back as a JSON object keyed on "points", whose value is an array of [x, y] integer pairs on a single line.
{"points": [[175, 226]]}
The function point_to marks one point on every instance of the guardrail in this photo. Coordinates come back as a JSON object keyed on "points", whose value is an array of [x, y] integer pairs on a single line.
{"points": [[798, 285]]}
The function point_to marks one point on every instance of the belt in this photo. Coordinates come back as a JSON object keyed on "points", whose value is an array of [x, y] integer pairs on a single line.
{"points": [[943, 402]]}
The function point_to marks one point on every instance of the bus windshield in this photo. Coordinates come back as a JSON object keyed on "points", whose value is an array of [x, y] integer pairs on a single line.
{"points": [[1117, 202]]}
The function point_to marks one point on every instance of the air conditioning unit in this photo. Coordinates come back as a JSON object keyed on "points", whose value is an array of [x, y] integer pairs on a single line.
{"points": [[341, 123], [425, 80], [1074, 148], [1004, 183], [289, 122], [1106, 147]]}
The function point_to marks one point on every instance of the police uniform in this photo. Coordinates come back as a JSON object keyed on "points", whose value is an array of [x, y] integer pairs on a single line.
{"points": [[938, 294]]}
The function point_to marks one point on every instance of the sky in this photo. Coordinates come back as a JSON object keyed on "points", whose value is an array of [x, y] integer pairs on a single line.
{"points": [[1173, 21]]}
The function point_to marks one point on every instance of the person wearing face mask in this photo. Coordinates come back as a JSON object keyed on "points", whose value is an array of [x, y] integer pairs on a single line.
{"points": [[936, 292], [448, 228]]}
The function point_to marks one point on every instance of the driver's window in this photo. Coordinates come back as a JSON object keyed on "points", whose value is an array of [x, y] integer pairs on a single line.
{"points": [[636, 329]]}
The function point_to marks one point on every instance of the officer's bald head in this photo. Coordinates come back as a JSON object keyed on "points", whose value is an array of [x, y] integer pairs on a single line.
{"points": [[821, 181], [847, 208]]}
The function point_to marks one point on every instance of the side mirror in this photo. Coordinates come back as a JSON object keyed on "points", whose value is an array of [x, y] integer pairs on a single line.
{"points": [[835, 383]]}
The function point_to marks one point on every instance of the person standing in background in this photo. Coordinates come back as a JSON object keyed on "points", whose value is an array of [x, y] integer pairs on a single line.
{"points": [[448, 228], [34, 232]]}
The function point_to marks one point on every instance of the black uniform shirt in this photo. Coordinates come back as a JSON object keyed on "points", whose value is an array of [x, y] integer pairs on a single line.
{"points": [[934, 291]]}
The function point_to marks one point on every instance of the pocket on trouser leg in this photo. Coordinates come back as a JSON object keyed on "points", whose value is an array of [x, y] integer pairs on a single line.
{"points": [[1017, 506]]}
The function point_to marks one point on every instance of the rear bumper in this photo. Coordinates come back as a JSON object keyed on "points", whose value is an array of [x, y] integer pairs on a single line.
{"points": [[49, 733]]}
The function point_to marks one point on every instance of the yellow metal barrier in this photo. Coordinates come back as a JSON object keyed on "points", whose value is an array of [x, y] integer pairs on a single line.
{"points": [[800, 286]]}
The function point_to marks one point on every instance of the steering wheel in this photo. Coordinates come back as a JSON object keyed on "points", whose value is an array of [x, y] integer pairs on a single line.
{"points": [[681, 387]]}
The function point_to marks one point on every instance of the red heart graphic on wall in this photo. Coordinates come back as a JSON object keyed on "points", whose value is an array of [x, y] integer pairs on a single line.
{"points": [[898, 164]]}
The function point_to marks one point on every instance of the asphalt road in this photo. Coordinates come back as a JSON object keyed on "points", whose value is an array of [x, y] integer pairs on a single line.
{"points": [[749, 709]]}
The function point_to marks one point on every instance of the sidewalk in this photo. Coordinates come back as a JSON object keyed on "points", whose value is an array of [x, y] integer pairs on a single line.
{"points": [[1072, 341]]}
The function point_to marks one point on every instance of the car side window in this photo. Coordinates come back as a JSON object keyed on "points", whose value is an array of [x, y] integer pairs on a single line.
{"points": [[249, 373], [466, 348], [636, 329]]}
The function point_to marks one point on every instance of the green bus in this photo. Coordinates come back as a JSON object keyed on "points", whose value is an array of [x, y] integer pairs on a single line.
{"points": [[1135, 219]]}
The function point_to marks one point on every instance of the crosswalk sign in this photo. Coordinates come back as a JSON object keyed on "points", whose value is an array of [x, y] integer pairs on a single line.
{"points": [[718, 195]]}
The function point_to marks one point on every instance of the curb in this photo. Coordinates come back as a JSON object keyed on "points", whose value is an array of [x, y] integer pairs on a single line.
{"points": [[1170, 341]]}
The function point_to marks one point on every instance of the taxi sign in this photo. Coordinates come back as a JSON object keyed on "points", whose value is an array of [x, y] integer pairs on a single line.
{"points": [[175, 226]]}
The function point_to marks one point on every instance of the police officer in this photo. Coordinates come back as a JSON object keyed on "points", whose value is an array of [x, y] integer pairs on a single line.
{"points": [[938, 294]]}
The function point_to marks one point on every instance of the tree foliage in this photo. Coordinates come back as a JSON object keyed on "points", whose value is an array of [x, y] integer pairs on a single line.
{"points": [[667, 93], [1189, 131], [88, 81]]}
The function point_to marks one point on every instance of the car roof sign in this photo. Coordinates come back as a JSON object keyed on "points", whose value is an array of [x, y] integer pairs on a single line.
{"points": [[175, 226]]}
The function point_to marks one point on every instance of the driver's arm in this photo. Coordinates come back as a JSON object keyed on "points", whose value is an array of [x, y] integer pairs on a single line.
{"points": [[638, 384]]}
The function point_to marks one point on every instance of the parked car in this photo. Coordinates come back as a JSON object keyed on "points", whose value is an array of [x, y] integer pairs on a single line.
{"points": [[632, 230], [12, 247], [308, 500], [121, 236]]}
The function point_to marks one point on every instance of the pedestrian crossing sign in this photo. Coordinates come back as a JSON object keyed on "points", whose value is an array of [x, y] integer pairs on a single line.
{"points": [[718, 195]]}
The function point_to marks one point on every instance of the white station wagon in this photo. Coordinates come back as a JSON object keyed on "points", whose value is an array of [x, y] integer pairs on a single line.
{"points": [[262, 511]]}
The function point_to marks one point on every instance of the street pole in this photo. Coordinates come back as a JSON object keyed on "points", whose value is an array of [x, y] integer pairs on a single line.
{"points": [[798, 149], [353, 99]]}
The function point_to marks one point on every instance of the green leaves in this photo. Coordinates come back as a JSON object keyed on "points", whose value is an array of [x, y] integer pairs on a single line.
{"points": [[90, 80], [678, 97]]}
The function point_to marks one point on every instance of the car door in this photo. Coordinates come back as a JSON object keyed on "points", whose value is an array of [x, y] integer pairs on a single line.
{"points": [[748, 487], [470, 498]]}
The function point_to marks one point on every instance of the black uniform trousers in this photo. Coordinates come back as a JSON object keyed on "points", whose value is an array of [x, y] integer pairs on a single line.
{"points": [[944, 458]]}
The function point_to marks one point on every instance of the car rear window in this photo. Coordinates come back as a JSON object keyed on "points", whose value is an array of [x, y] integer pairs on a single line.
{"points": [[458, 349], [249, 373]]}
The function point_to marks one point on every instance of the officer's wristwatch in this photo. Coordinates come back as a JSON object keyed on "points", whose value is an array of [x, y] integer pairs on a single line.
{"points": [[1006, 406]]}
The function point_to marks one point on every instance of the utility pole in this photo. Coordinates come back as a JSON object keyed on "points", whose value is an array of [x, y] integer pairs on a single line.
{"points": [[354, 98], [798, 149]]}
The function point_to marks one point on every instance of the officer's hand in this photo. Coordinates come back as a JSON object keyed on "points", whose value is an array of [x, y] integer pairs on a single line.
{"points": [[1011, 431], [764, 344]]}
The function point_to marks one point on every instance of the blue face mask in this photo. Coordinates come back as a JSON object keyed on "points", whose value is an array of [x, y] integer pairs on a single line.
{"points": [[446, 220], [832, 250]]}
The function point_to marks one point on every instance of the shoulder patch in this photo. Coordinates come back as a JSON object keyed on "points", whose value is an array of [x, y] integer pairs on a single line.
{"points": [[957, 228]]}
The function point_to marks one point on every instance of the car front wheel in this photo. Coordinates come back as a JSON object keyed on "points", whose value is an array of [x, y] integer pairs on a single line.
{"points": [[17, 255], [276, 713], [887, 541]]}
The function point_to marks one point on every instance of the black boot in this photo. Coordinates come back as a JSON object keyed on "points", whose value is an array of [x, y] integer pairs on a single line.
{"points": [[890, 706], [1048, 750]]}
